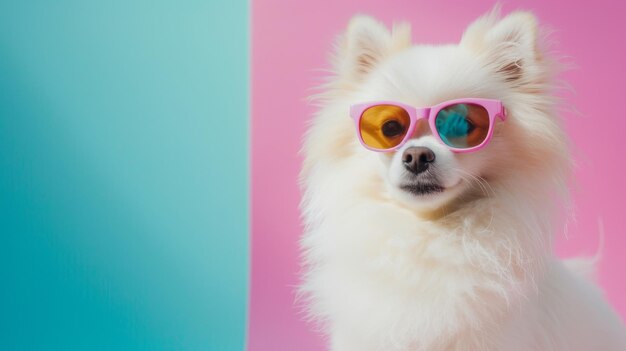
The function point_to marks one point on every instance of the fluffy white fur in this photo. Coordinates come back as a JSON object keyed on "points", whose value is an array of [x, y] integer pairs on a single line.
{"points": [[471, 268]]}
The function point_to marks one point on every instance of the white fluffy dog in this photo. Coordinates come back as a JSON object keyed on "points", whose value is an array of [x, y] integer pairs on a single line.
{"points": [[461, 259]]}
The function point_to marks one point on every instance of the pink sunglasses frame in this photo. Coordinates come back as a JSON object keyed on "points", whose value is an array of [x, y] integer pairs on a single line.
{"points": [[494, 108]]}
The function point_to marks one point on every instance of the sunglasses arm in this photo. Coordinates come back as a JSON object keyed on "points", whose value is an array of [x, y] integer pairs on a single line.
{"points": [[503, 113]]}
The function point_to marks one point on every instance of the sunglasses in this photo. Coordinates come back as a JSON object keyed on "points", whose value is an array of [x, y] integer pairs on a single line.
{"points": [[463, 125]]}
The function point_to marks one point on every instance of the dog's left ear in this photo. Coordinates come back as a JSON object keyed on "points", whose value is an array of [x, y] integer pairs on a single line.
{"points": [[509, 46]]}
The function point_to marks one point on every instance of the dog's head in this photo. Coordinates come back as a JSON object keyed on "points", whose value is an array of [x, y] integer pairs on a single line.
{"points": [[499, 59]]}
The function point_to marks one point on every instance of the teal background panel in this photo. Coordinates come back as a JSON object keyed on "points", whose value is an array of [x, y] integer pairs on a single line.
{"points": [[123, 175]]}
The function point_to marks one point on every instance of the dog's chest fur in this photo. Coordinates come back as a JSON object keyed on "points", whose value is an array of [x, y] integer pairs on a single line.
{"points": [[411, 284]]}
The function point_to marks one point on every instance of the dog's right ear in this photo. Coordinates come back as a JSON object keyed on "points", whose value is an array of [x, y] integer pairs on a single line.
{"points": [[366, 44], [510, 47]]}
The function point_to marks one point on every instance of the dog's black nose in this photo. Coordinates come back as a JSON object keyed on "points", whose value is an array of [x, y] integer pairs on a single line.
{"points": [[417, 158]]}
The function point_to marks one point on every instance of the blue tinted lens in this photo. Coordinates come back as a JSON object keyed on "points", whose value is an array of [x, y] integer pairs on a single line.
{"points": [[462, 125]]}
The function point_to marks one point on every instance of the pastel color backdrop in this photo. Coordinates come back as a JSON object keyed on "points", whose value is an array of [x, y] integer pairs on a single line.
{"points": [[291, 41], [123, 175]]}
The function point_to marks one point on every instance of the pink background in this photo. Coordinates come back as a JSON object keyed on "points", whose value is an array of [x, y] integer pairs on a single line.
{"points": [[291, 41]]}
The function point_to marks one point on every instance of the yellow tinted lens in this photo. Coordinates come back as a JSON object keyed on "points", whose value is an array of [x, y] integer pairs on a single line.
{"points": [[384, 126], [463, 125]]}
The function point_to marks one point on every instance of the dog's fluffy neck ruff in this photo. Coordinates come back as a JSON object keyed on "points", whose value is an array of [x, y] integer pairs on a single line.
{"points": [[502, 247]]}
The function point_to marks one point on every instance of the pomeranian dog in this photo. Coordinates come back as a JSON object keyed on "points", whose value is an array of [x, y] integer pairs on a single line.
{"points": [[432, 177]]}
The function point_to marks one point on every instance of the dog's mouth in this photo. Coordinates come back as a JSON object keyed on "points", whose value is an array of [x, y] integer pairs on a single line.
{"points": [[420, 189]]}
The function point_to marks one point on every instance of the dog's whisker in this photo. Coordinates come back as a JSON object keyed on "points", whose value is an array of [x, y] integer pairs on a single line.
{"points": [[472, 180]]}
